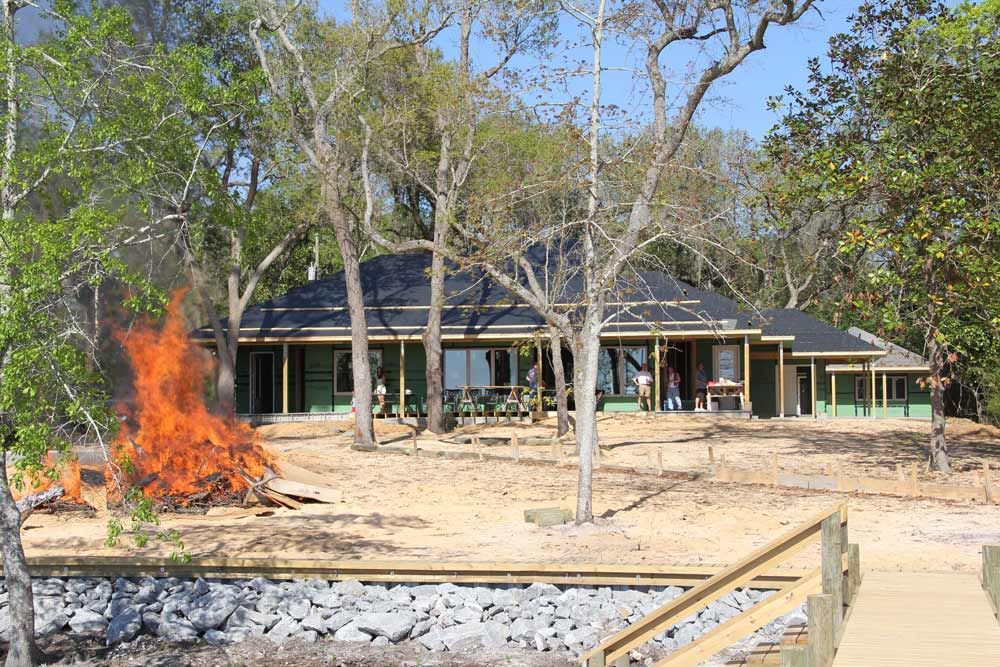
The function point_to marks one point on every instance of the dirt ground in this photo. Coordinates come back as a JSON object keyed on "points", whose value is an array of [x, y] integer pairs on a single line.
{"points": [[402, 507]]}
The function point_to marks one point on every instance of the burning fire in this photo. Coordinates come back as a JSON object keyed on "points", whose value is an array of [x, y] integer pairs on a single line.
{"points": [[68, 478], [178, 447]]}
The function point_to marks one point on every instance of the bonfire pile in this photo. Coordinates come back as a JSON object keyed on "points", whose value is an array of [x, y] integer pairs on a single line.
{"points": [[179, 452]]}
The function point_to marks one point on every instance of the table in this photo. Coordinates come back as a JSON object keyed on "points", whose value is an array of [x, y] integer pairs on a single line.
{"points": [[721, 389], [514, 396]]}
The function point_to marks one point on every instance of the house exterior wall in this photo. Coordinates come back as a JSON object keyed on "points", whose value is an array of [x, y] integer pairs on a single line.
{"points": [[916, 405]]}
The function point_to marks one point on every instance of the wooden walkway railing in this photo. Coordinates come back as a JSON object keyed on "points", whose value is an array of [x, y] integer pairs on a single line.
{"points": [[838, 578], [991, 576]]}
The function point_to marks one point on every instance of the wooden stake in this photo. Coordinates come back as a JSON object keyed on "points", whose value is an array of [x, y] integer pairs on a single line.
{"points": [[478, 445], [987, 484], [515, 446], [659, 462], [414, 442], [853, 571], [774, 469], [711, 455], [914, 488], [821, 630], [832, 567], [597, 456], [559, 452]]}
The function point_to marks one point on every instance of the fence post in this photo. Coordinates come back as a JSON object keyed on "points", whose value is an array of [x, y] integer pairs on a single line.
{"points": [[821, 630], [794, 655], [833, 566], [853, 571], [991, 573], [516, 447]]}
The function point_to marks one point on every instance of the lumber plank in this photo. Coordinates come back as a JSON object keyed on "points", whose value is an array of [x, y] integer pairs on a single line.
{"points": [[734, 576], [288, 487], [754, 618]]}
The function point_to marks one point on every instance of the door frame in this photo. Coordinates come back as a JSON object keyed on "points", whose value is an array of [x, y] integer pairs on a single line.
{"points": [[253, 382], [788, 389]]}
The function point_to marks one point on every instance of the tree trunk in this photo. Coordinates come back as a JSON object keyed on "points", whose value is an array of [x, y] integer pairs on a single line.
{"points": [[562, 407], [22, 650], [432, 342], [938, 444], [586, 349], [364, 432], [225, 383]]}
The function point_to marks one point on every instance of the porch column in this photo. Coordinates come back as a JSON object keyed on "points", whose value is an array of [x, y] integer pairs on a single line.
{"points": [[656, 375], [402, 378], [746, 371], [872, 367], [833, 390], [885, 395], [812, 379], [693, 368], [781, 379], [541, 384], [284, 378]]}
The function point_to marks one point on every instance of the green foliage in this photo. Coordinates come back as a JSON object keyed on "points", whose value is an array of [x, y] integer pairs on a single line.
{"points": [[905, 130]]}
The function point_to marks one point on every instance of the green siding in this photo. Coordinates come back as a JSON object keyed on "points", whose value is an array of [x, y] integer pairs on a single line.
{"points": [[917, 404], [318, 378], [762, 383]]}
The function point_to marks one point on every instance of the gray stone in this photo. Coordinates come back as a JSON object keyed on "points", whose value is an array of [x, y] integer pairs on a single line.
{"points": [[339, 620], [400, 595], [125, 626], [380, 641], [424, 603], [464, 637], [211, 611], [495, 635], [423, 590], [283, 630], [432, 641], [307, 636], [421, 628], [50, 622], [468, 615], [268, 604], [325, 598], [175, 629], [314, 622], [742, 599], [537, 590], [51, 587], [298, 608], [88, 623], [245, 618], [150, 620], [125, 585], [351, 587], [563, 625], [351, 633], [581, 637], [394, 626], [216, 637], [687, 634]]}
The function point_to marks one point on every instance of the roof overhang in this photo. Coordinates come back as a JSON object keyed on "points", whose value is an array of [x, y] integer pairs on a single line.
{"points": [[838, 354], [853, 368]]}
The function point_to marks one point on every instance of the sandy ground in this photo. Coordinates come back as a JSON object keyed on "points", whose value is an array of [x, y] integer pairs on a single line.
{"points": [[401, 507]]}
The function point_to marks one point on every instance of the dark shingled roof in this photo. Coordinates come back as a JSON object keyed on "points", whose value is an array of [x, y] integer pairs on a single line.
{"points": [[397, 293], [811, 335], [896, 357]]}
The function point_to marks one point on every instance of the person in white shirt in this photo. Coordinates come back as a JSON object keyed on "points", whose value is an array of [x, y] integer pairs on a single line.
{"points": [[644, 380], [673, 389]]}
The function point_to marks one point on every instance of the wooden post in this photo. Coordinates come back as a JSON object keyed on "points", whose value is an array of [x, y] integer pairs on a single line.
{"points": [[541, 385], [746, 372], [711, 455], [781, 379], [820, 609], [415, 441], [477, 443], [659, 462], [812, 379], [597, 457], [774, 470], [656, 375], [885, 395], [991, 573], [284, 378], [833, 567], [987, 483], [914, 484], [516, 447], [853, 571], [833, 392], [794, 655], [872, 367], [402, 379]]}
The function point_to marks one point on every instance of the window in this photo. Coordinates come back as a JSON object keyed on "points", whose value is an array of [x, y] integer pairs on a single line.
{"points": [[617, 366], [343, 373], [479, 367], [895, 384], [726, 362]]}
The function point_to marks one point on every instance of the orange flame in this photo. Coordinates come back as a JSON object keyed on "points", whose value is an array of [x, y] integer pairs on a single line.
{"points": [[69, 480], [179, 447]]}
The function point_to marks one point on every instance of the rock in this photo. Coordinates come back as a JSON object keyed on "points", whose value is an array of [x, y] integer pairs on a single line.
{"points": [[339, 620], [211, 610], [125, 586], [50, 622], [216, 637], [421, 628], [351, 633], [423, 590], [248, 619], [88, 623], [268, 604], [124, 627], [380, 641], [282, 630], [175, 629], [200, 587], [581, 638], [495, 635], [396, 627], [687, 634], [432, 641], [467, 615], [314, 622], [538, 590], [351, 587], [48, 587], [464, 637], [298, 608], [742, 599]]}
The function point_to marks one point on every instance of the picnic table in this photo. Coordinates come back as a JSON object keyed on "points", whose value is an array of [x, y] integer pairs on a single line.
{"points": [[728, 388], [513, 396]]}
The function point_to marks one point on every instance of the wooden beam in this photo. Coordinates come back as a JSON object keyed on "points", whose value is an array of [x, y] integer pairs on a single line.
{"points": [[885, 395], [541, 385], [872, 367], [833, 391], [781, 380], [762, 613], [693, 368], [656, 375], [821, 634], [833, 567], [284, 378], [812, 380], [762, 560], [402, 378], [746, 371]]}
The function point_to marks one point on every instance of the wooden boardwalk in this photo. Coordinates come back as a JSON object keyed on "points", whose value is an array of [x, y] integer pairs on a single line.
{"points": [[918, 619]]}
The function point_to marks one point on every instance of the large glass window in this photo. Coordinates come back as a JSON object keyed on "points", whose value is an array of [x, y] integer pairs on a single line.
{"points": [[480, 367], [895, 384], [343, 369], [617, 366]]}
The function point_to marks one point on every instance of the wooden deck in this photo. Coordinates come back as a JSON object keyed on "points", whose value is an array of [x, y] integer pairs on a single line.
{"points": [[919, 619]]}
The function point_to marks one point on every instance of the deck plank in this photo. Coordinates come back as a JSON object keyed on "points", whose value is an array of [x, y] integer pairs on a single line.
{"points": [[917, 619]]}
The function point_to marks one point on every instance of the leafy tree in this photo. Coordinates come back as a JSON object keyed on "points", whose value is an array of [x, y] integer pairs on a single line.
{"points": [[904, 130]]}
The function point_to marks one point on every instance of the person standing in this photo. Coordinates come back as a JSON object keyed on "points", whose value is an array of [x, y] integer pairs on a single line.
{"points": [[673, 389], [701, 387], [380, 388], [644, 380]]}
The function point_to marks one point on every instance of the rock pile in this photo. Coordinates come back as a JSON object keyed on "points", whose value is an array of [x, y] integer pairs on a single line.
{"points": [[440, 617]]}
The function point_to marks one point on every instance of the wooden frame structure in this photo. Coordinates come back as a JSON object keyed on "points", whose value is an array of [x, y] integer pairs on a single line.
{"points": [[830, 586]]}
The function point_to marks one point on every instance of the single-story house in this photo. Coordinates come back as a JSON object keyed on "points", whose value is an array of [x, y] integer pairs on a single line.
{"points": [[295, 355]]}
